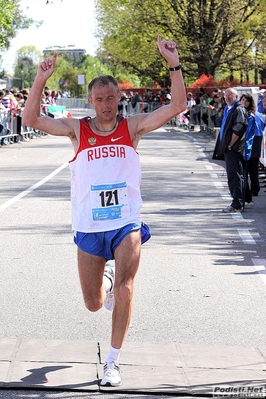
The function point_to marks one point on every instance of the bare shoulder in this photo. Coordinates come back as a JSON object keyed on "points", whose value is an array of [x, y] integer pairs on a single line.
{"points": [[142, 124], [58, 126], [136, 123], [69, 127]]}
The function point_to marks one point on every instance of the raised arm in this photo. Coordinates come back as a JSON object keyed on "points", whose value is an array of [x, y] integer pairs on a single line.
{"points": [[31, 114], [144, 123]]}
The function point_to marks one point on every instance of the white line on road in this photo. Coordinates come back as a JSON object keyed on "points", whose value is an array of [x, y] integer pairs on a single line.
{"points": [[246, 236], [218, 184], [226, 196], [260, 266], [207, 164], [237, 215], [32, 188]]}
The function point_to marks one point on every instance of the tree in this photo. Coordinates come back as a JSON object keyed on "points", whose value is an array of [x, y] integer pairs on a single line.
{"points": [[210, 34], [65, 77], [26, 64], [11, 21]]}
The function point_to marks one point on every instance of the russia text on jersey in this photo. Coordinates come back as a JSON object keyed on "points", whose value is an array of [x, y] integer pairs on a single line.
{"points": [[106, 152]]}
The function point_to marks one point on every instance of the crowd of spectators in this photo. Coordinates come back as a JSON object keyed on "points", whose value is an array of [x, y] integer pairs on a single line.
{"points": [[150, 101], [200, 105], [14, 101]]}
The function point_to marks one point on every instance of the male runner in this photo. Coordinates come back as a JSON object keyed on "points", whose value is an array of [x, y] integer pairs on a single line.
{"points": [[105, 190]]}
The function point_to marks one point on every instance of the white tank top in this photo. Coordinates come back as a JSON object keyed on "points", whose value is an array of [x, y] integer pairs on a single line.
{"points": [[105, 181]]}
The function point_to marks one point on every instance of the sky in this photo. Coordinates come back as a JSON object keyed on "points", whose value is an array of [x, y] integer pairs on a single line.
{"points": [[65, 22]]}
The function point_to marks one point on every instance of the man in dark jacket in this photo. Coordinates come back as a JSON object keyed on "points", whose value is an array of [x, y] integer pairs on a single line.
{"points": [[230, 147]]}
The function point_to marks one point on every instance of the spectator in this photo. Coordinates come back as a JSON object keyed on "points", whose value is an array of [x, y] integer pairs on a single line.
{"points": [[260, 107], [2, 107], [253, 162], [148, 95], [19, 111], [53, 97], [136, 98], [214, 106], [204, 101], [220, 112], [190, 104], [162, 97], [149, 99], [248, 101], [2, 126], [156, 101], [230, 146], [202, 92], [122, 105], [45, 102], [197, 108], [6, 99], [25, 128]]}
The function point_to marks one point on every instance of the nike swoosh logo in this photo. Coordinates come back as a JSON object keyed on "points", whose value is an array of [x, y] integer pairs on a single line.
{"points": [[115, 139]]}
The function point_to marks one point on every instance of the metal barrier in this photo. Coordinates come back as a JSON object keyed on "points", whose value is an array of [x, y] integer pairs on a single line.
{"points": [[12, 129], [140, 107], [195, 121], [82, 103], [77, 103], [7, 128]]}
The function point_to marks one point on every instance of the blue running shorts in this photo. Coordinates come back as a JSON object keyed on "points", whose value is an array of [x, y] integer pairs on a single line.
{"points": [[105, 243]]}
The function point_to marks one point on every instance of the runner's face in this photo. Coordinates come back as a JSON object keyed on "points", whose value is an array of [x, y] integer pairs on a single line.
{"points": [[105, 101]]}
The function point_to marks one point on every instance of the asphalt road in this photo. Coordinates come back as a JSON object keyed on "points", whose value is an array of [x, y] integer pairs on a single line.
{"points": [[202, 277]]}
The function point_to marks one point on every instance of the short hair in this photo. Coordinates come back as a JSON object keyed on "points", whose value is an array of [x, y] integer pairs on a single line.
{"points": [[232, 90], [103, 80]]}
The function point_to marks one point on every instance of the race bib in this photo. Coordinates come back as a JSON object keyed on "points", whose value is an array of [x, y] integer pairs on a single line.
{"points": [[109, 201]]}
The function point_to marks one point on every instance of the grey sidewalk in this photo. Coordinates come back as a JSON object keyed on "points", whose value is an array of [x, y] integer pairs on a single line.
{"points": [[170, 369]]}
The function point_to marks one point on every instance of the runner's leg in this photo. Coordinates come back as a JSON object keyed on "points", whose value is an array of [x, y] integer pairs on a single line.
{"points": [[91, 268], [127, 256]]}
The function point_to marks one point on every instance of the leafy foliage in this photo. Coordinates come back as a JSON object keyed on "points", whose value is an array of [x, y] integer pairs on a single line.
{"points": [[211, 35], [11, 21], [209, 81], [26, 64]]}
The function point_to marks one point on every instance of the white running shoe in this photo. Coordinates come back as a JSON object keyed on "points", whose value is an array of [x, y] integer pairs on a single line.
{"points": [[109, 272], [111, 375], [230, 209]]}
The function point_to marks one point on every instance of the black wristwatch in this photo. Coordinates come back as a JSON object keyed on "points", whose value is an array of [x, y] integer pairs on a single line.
{"points": [[176, 68]]}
